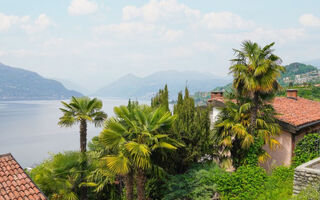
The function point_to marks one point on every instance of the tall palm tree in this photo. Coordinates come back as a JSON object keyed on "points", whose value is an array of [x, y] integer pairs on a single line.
{"points": [[133, 135], [255, 73], [232, 132], [82, 110]]}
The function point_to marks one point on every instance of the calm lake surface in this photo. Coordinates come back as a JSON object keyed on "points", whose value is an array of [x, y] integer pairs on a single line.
{"points": [[29, 130]]}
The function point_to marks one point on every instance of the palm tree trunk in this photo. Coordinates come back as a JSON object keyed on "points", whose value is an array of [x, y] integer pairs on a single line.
{"points": [[141, 180], [83, 165], [83, 135], [128, 182], [254, 113]]}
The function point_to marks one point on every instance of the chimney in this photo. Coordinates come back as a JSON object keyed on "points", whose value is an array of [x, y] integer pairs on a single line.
{"points": [[216, 94], [292, 94]]}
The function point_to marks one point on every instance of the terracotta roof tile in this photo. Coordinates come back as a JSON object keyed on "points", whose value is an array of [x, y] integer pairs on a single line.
{"points": [[296, 112], [15, 183]]}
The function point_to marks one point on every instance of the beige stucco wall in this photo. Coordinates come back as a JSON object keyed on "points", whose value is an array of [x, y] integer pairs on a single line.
{"points": [[281, 155]]}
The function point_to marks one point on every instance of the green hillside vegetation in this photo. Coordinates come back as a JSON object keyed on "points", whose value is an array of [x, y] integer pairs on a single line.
{"points": [[309, 91], [297, 68], [306, 73]]}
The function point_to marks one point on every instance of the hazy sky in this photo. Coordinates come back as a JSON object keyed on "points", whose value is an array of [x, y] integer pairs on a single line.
{"points": [[93, 42]]}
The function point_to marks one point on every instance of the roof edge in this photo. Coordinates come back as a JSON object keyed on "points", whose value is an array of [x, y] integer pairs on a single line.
{"points": [[29, 177], [307, 124], [6, 154]]}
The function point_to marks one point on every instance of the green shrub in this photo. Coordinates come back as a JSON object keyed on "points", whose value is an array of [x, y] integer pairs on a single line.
{"points": [[59, 178], [248, 182], [198, 183], [307, 149], [279, 184]]}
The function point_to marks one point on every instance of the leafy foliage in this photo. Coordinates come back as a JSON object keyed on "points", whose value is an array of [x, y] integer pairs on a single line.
{"points": [[192, 128], [131, 138], [279, 184], [232, 131], [82, 108], [247, 118], [245, 183], [307, 149], [161, 99], [198, 183], [59, 177]]}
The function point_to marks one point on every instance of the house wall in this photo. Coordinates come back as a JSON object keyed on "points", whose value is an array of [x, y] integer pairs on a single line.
{"points": [[282, 155]]}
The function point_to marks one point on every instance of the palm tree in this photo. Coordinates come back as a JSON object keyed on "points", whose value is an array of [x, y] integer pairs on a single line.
{"points": [[82, 110], [133, 135], [255, 73], [232, 132]]}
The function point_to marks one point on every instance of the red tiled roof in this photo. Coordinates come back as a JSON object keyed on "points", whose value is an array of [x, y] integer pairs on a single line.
{"points": [[15, 184], [296, 112]]}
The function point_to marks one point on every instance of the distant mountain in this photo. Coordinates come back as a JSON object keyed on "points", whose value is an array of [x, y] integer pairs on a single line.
{"points": [[19, 84], [134, 87], [73, 86]]}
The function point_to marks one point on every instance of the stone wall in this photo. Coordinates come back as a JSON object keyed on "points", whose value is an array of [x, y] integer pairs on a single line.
{"points": [[306, 174]]}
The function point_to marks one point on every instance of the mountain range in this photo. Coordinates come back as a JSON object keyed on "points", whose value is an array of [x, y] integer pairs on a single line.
{"points": [[131, 86], [19, 84]]}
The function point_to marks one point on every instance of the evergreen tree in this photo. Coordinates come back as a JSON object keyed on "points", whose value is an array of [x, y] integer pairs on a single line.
{"points": [[192, 128], [161, 99]]}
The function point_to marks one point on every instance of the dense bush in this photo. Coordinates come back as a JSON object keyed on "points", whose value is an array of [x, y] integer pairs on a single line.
{"points": [[198, 183], [279, 184], [248, 182], [59, 178], [307, 149]]}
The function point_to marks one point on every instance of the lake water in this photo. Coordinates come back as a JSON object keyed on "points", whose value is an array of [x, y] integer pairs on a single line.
{"points": [[29, 130]]}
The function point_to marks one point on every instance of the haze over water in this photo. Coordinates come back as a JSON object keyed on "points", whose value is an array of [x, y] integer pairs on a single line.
{"points": [[29, 129]]}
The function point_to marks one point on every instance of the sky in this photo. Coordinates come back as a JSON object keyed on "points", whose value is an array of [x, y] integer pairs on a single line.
{"points": [[94, 42]]}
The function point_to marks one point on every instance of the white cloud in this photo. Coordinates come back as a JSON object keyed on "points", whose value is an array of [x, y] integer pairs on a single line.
{"points": [[158, 10], [40, 24], [309, 20], [171, 35], [82, 7], [225, 20], [6, 21]]}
